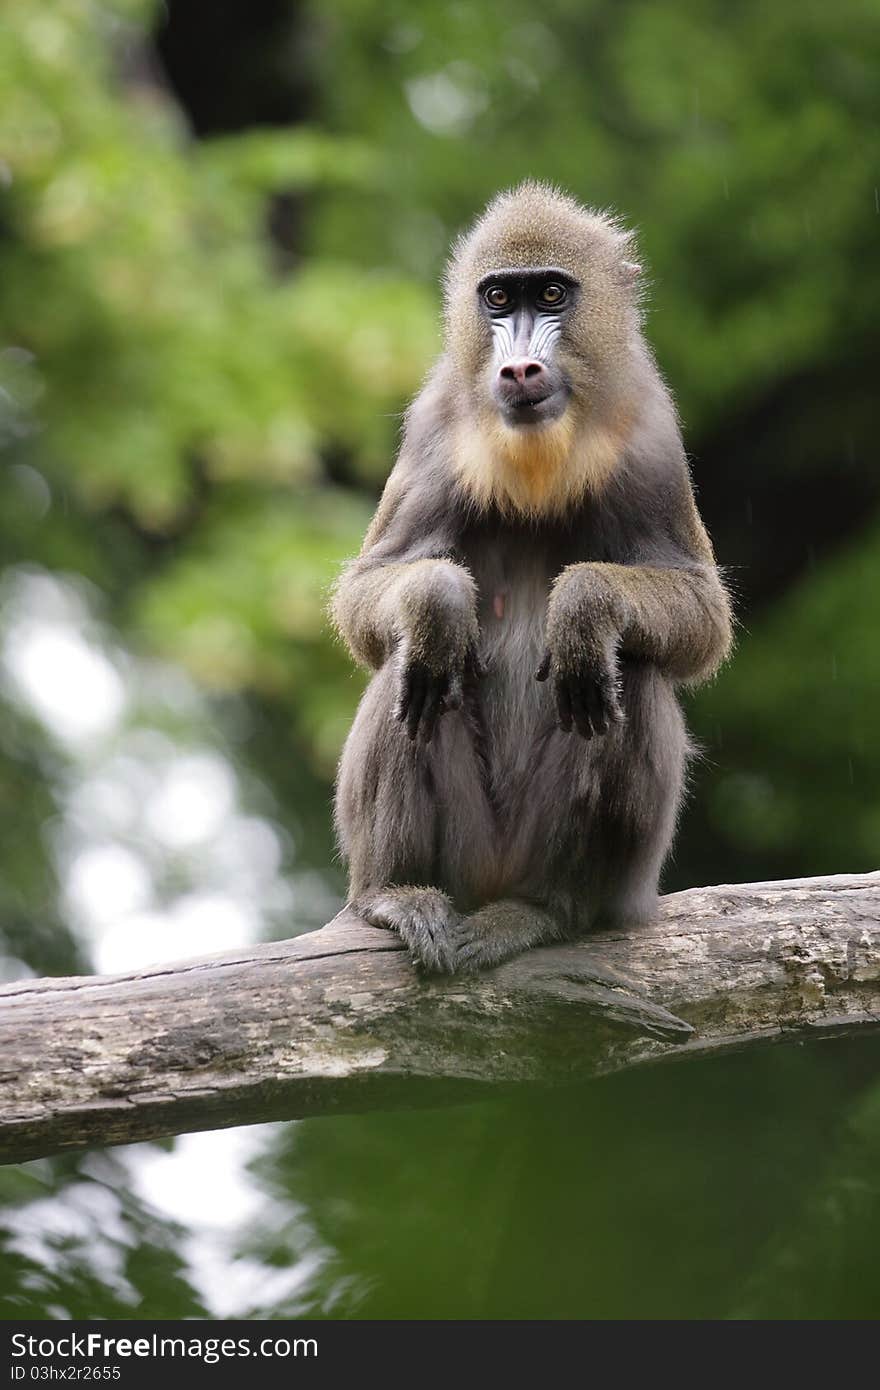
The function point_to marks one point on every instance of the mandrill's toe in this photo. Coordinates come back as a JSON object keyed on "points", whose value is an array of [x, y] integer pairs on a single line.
{"points": [[423, 918]]}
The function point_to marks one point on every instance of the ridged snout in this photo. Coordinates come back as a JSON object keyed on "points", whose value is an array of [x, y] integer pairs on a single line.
{"points": [[522, 381]]}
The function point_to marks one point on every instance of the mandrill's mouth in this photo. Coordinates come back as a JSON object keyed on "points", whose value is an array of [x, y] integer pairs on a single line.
{"points": [[526, 409]]}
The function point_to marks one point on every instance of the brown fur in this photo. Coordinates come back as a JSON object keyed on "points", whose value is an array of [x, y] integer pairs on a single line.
{"points": [[530, 810]]}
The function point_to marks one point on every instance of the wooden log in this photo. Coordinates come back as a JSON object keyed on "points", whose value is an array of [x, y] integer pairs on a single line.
{"points": [[339, 1020]]}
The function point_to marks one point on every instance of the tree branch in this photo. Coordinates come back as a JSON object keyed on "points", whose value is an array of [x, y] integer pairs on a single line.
{"points": [[338, 1020]]}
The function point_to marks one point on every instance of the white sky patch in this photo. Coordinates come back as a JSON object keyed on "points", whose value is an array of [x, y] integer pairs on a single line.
{"points": [[72, 687], [205, 922], [246, 855], [204, 1184], [158, 862], [448, 102], [230, 1287], [194, 797], [53, 1230], [105, 883], [197, 925], [106, 803], [174, 1183]]}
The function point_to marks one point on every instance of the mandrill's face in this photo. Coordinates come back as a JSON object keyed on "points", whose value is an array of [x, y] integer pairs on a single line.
{"points": [[542, 332], [527, 310]]}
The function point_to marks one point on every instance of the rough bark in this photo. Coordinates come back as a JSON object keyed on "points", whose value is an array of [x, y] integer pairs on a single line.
{"points": [[338, 1019]]}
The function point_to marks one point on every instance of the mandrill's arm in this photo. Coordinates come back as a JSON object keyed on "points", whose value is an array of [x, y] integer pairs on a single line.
{"points": [[667, 606], [403, 599]]}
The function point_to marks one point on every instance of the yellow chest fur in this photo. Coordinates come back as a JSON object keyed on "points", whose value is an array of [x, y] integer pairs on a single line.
{"points": [[534, 470]]}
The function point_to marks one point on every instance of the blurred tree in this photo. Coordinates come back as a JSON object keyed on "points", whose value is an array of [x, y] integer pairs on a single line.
{"points": [[178, 398], [741, 141], [208, 427], [220, 232]]}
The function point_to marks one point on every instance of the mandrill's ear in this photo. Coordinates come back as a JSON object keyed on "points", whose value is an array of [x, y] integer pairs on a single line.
{"points": [[630, 272]]}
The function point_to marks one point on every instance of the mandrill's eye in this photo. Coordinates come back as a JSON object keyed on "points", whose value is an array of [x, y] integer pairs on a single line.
{"points": [[496, 297], [552, 295]]}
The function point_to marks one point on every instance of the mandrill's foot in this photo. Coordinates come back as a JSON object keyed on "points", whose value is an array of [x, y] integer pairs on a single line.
{"points": [[500, 931], [442, 942], [423, 918]]}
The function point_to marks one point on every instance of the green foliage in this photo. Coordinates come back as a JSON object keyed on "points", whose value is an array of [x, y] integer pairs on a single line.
{"points": [[247, 604], [798, 710], [739, 139], [196, 414], [139, 277], [156, 350]]}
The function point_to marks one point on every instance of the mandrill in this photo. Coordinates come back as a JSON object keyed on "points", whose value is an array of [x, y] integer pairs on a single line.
{"points": [[535, 584]]}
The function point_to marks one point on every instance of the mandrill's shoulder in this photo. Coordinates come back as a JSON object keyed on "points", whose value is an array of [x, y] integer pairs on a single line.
{"points": [[647, 509], [433, 413], [426, 460]]}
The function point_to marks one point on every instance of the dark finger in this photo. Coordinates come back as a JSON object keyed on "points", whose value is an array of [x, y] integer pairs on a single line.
{"points": [[417, 700], [579, 710], [597, 708], [563, 705], [543, 670], [431, 710]]}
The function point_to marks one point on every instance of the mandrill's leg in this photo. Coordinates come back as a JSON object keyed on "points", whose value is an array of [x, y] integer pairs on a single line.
{"points": [[414, 823]]}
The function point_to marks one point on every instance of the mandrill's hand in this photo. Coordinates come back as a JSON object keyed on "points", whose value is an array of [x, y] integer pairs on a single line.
{"points": [[585, 621], [426, 694], [437, 651]]}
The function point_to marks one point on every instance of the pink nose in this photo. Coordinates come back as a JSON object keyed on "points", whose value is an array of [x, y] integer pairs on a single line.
{"points": [[521, 370]]}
